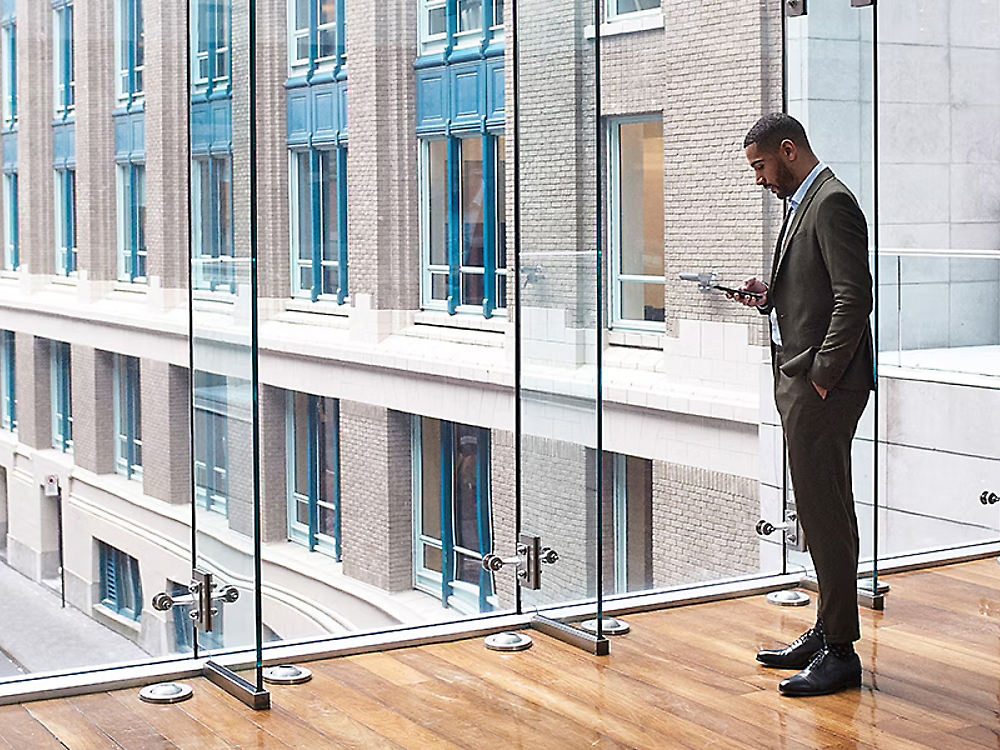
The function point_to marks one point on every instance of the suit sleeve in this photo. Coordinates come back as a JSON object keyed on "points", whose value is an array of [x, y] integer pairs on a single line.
{"points": [[843, 241]]}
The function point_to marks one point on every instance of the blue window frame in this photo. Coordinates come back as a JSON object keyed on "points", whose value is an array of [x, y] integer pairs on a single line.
{"points": [[130, 47], [121, 587], [8, 380], [211, 44], [132, 221], [463, 229], [316, 34], [212, 223], [60, 379], [453, 525], [128, 417], [11, 222], [314, 472], [8, 46], [65, 214], [212, 396], [636, 228], [319, 223], [62, 58]]}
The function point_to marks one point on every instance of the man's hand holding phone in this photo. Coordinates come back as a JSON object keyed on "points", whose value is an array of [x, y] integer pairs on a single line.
{"points": [[753, 293]]}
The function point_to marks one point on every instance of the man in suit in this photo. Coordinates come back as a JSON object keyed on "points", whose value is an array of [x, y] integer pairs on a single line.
{"points": [[819, 299]]}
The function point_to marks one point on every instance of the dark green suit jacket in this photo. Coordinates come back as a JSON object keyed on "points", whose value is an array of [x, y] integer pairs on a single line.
{"points": [[821, 290]]}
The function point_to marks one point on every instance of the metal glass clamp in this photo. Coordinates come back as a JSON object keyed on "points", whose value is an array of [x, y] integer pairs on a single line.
{"points": [[530, 557], [203, 594]]}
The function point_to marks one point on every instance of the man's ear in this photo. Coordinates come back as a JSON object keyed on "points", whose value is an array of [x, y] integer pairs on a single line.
{"points": [[789, 149]]}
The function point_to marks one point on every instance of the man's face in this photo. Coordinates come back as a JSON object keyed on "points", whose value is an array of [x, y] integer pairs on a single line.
{"points": [[771, 169]]}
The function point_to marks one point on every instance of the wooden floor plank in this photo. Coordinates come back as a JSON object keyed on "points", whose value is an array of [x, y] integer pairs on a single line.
{"points": [[177, 726], [226, 717], [70, 726], [19, 729], [120, 724]]}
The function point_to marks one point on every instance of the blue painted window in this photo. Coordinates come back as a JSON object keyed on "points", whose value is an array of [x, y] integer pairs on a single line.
{"points": [[65, 213], [60, 378], [130, 48], [212, 223], [62, 57], [8, 48], [632, 513], [451, 497], [121, 587], [316, 34], [212, 395], [463, 215], [319, 223], [132, 221], [211, 22], [626, 7], [11, 222], [128, 417], [314, 472], [636, 223], [8, 381]]}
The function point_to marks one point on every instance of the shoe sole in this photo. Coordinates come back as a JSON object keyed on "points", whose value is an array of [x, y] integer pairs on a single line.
{"points": [[798, 667]]}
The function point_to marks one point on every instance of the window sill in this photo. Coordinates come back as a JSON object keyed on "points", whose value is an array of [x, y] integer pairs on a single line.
{"points": [[130, 287], [122, 625], [319, 307], [462, 321], [636, 339], [631, 24]]}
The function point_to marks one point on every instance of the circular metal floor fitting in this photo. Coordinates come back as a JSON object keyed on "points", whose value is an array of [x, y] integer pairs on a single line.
{"points": [[788, 598], [166, 692], [508, 641], [609, 626], [287, 674]]}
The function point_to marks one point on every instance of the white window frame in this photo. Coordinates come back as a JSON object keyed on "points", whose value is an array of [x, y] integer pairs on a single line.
{"points": [[123, 431], [616, 278], [296, 63], [431, 43], [9, 65], [60, 385], [122, 73], [11, 228], [197, 56], [125, 222], [612, 12], [58, 45], [63, 245]]}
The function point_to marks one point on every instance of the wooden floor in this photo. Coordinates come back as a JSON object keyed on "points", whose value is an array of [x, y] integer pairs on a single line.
{"points": [[683, 678]]}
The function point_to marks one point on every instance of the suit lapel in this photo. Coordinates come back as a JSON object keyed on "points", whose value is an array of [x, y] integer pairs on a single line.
{"points": [[792, 227]]}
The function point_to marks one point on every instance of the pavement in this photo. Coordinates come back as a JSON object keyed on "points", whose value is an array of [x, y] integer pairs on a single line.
{"points": [[38, 635]]}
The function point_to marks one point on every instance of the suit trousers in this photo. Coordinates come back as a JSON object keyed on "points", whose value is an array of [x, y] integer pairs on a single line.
{"points": [[818, 433]]}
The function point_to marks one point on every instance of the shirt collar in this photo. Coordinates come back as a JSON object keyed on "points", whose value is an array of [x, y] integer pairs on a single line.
{"points": [[796, 198]]}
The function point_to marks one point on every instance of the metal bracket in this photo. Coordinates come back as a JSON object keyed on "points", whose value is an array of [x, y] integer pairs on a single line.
{"points": [[861, 3], [795, 8], [236, 686], [530, 557], [202, 598], [793, 531]]}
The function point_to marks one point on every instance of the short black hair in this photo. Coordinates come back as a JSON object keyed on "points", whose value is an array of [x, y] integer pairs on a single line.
{"points": [[770, 130]]}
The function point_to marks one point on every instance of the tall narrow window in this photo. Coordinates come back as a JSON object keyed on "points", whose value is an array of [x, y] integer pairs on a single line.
{"points": [[314, 472], [633, 523], [121, 587], [473, 19], [464, 229], [212, 241], [319, 222], [132, 221], [211, 441], [130, 43], [8, 40], [60, 377], [11, 228], [452, 503], [636, 227], [8, 380], [65, 215], [211, 21], [62, 58], [128, 417]]}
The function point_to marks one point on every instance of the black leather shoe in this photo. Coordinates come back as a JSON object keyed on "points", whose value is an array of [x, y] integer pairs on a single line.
{"points": [[796, 656], [825, 674]]}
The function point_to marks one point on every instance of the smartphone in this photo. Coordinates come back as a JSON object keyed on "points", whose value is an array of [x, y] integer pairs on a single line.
{"points": [[738, 292]]}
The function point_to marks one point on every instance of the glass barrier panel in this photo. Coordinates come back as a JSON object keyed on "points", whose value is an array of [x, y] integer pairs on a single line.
{"points": [[939, 274]]}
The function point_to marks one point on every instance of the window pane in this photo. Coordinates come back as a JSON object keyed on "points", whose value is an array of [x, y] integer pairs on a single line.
{"points": [[302, 14], [472, 219], [641, 198], [329, 205], [437, 21], [437, 219], [432, 559], [300, 418], [498, 12], [430, 463], [501, 193], [470, 15], [641, 301], [467, 471], [303, 163]]}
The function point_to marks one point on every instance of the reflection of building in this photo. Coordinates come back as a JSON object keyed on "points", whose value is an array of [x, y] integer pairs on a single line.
{"points": [[384, 189]]}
